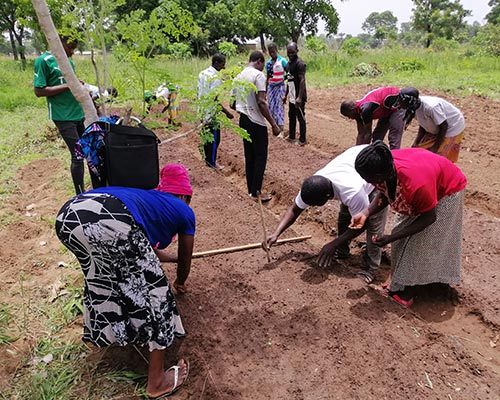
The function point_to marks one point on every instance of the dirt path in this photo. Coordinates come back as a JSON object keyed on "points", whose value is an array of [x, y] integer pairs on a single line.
{"points": [[286, 329]]}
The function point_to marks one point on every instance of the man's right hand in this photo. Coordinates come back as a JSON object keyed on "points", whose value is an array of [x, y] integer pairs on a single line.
{"points": [[276, 130], [358, 221], [270, 240]]}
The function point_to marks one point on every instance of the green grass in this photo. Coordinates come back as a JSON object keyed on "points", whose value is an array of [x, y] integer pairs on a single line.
{"points": [[5, 317], [449, 71]]}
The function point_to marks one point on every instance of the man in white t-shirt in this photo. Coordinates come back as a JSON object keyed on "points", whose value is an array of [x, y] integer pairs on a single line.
{"points": [[208, 80], [441, 124], [339, 180], [253, 109]]}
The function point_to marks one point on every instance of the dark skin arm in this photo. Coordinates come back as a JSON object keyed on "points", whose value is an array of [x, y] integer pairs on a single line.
{"points": [[50, 91], [326, 256], [264, 109], [364, 122], [291, 215], [364, 132], [378, 203], [184, 255], [421, 133], [443, 127], [302, 90], [418, 225]]}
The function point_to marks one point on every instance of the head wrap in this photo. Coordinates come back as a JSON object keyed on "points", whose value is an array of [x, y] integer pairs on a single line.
{"points": [[375, 159], [174, 179], [409, 96]]}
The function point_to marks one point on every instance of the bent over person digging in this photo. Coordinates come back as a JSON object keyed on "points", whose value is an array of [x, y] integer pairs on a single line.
{"points": [[427, 191], [118, 235]]}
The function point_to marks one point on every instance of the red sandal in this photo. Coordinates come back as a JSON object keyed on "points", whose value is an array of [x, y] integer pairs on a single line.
{"points": [[404, 303]]}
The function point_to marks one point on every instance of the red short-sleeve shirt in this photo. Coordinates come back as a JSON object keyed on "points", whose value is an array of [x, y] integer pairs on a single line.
{"points": [[424, 178]]}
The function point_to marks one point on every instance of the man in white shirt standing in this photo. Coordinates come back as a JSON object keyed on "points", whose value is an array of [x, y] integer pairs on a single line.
{"points": [[254, 111], [208, 80], [339, 180]]}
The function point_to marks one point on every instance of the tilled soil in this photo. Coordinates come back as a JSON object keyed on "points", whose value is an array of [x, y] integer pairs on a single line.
{"points": [[288, 329]]}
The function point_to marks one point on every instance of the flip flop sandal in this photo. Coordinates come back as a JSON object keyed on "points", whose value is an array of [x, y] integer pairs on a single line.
{"points": [[404, 303], [177, 385], [366, 276]]}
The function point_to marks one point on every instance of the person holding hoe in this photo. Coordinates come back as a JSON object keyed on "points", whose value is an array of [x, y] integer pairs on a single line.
{"points": [[118, 235], [339, 180]]}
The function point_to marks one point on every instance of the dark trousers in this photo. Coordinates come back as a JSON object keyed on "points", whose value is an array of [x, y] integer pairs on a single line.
{"points": [[295, 114], [255, 154], [71, 131], [210, 148], [374, 226], [395, 125]]}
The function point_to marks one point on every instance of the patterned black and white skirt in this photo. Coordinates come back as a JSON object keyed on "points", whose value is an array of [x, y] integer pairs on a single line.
{"points": [[434, 254], [127, 297]]}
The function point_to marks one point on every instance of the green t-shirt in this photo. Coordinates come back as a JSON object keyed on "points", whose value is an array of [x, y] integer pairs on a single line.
{"points": [[63, 106]]}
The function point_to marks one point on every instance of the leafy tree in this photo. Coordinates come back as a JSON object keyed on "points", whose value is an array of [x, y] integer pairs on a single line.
{"points": [[141, 36], [352, 46], [9, 21], [487, 41], [179, 50], [223, 21], [493, 17], [381, 24], [227, 48], [315, 44], [298, 17], [408, 35], [439, 18]]}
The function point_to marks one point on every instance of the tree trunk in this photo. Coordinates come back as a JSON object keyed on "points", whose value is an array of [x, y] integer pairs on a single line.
{"points": [[262, 43], [13, 45], [22, 55], [428, 40], [55, 45]]}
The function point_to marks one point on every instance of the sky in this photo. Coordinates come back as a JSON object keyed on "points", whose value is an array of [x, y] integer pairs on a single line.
{"points": [[353, 13]]}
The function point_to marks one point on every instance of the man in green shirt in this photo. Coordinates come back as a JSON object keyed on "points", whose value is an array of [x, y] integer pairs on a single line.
{"points": [[64, 110]]}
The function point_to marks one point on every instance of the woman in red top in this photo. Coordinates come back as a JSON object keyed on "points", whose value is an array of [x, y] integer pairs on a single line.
{"points": [[427, 191]]}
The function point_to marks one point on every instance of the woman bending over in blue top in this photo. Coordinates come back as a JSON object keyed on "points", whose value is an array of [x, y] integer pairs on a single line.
{"points": [[119, 235]]}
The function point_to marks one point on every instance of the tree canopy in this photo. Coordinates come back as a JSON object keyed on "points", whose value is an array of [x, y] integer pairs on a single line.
{"points": [[439, 18], [381, 26], [493, 17]]}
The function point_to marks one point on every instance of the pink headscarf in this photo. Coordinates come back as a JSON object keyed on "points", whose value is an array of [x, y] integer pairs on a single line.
{"points": [[174, 179]]}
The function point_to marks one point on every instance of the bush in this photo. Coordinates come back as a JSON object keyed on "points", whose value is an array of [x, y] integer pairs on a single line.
{"points": [[227, 48], [442, 44], [179, 51], [352, 46], [409, 65], [365, 69], [487, 41], [315, 44]]}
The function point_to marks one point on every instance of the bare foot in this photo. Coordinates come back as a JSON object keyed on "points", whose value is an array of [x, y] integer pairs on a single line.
{"points": [[168, 384]]}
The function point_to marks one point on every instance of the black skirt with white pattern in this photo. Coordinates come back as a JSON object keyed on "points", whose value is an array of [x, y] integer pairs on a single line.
{"points": [[127, 297]]}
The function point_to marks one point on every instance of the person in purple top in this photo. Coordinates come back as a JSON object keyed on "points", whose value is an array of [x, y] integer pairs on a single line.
{"points": [[119, 236]]}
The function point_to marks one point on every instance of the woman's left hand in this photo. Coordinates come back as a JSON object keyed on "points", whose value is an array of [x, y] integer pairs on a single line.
{"points": [[381, 240]]}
